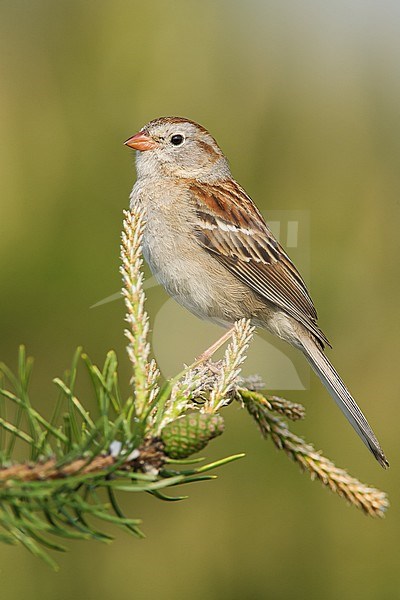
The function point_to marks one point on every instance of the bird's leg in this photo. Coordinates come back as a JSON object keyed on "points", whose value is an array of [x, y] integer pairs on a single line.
{"points": [[216, 346]]}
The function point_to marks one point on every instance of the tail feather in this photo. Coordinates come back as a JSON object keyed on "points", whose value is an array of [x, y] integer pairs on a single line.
{"points": [[337, 389]]}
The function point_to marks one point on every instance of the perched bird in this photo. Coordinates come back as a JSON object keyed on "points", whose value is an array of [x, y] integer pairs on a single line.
{"points": [[209, 246]]}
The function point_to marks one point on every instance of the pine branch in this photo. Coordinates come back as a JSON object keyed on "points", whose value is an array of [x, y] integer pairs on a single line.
{"points": [[372, 501], [77, 464], [76, 460], [230, 368], [145, 374]]}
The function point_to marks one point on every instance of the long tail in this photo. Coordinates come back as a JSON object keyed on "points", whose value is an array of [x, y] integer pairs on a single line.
{"points": [[341, 395]]}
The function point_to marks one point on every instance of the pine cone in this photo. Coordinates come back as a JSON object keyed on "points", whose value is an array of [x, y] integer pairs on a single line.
{"points": [[190, 433]]}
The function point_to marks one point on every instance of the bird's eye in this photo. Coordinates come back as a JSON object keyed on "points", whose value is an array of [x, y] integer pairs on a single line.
{"points": [[177, 139]]}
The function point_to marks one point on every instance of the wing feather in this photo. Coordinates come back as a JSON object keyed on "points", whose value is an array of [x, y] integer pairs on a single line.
{"points": [[232, 229]]}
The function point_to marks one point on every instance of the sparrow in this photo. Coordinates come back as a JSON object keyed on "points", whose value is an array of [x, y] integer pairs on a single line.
{"points": [[209, 246]]}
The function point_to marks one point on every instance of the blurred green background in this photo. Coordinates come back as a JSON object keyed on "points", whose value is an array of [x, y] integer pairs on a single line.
{"points": [[304, 99]]}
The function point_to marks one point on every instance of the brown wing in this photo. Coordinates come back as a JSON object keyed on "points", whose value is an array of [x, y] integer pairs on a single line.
{"points": [[232, 229]]}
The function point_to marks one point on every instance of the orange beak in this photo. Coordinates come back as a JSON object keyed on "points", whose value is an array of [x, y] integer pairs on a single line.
{"points": [[141, 142]]}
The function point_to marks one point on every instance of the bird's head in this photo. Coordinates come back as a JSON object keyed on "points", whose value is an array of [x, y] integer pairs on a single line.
{"points": [[178, 147]]}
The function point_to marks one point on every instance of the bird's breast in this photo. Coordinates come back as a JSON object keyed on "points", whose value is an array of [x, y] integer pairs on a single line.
{"points": [[175, 259], [189, 273]]}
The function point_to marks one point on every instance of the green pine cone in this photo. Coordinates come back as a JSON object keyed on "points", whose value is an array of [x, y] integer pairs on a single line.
{"points": [[190, 433]]}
